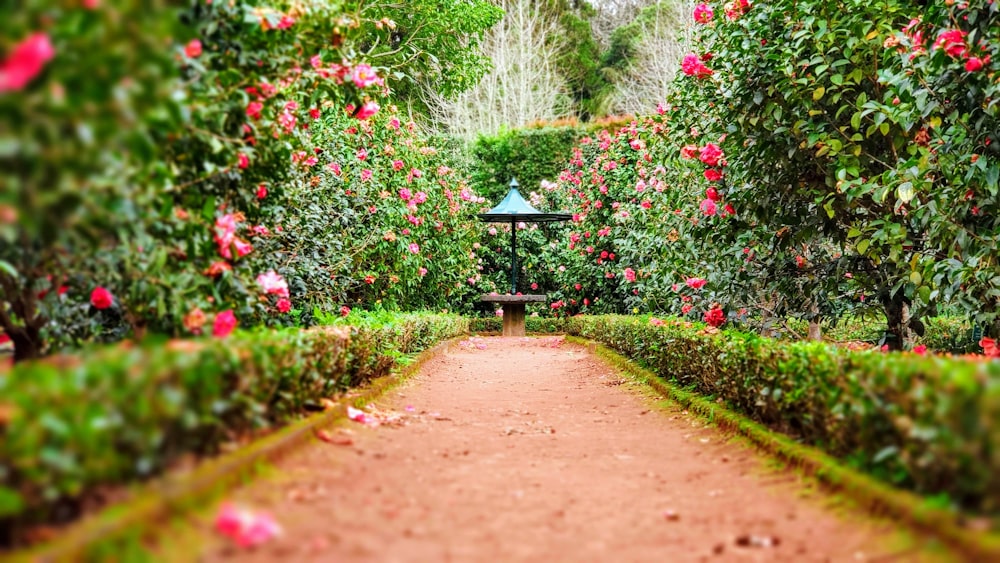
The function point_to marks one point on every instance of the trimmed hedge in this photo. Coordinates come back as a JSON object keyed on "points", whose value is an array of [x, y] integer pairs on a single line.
{"points": [[69, 426], [531, 324], [925, 423]]}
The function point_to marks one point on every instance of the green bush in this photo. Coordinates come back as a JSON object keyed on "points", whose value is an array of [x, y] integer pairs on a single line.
{"points": [[922, 422], [547, 325], [70, 425]]}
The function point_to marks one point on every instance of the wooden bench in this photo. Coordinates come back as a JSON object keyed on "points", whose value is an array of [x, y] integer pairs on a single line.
{"points": [[513, 310]]}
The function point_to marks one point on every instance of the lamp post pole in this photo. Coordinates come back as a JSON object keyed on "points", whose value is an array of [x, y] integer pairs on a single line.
{"points": [[513, 257]]}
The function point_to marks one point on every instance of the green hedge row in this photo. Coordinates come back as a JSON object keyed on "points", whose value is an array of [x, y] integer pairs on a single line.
{"points": [[69, 426], [531, 324], [931, 424]]}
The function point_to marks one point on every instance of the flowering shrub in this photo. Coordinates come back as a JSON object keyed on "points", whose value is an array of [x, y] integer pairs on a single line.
{"points": [[164, 179]]}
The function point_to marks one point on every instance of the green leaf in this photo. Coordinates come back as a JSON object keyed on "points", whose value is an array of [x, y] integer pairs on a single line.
{"points": [[905, 192], [818, 93], [863, 246], [916, 278], [8, 268]]}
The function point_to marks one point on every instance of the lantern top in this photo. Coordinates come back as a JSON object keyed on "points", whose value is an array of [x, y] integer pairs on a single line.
{"points": [[515, 208]]}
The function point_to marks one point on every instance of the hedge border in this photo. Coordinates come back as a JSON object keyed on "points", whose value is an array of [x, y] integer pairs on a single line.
{"points": [[170, 496], [872, 495]]}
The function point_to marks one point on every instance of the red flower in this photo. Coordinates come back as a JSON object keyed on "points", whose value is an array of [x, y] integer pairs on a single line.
{"points": [[989, 347], [261, 191], [101, 298], [217, 268], [920, 349], [25, 62], [689, 151], [369, 279], [4, 338], [193, 49], [243, 160], [712, 194], [686, 308], [345, 310], [225, 323], [284, 305], [367, 110], [712, 175], [974, 63], [715, 316], [953, 42]]}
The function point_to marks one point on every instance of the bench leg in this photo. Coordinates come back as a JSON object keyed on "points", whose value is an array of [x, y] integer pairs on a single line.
{"points": [[513, 319]]}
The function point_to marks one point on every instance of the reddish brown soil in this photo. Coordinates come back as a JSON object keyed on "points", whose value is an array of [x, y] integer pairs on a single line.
{"points": [[534, 450]]}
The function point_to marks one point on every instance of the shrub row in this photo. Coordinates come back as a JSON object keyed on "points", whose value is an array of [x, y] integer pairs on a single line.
{"points": [[531, 324], [924, 423], [70, 426]]}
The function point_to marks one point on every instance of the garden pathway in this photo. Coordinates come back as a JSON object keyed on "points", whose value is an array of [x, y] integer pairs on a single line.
{"points": [[534, 450]]}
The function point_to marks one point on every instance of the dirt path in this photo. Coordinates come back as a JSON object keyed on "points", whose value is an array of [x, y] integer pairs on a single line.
{"points": [[534, 450]]}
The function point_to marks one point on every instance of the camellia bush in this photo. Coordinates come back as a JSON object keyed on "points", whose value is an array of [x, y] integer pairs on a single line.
{"points": [[147, 165]]}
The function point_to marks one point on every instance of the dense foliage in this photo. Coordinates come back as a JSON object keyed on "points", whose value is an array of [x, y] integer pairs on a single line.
{"points": [[124, 413]]}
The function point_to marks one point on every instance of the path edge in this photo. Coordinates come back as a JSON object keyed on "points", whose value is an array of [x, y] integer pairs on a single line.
{"points": [[171, 495], [872, 495]]}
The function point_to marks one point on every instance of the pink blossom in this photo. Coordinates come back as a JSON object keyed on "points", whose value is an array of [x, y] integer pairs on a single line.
{"points": [[286, 22], [246, 528], [271, 283], [692, 66], [393, 124], [920, 349], [499, 312], [708, 207], [361, 153], [686, 308], [397, 165], [629, 275], [712, 175], [25, 62], [737, 8], [953, 42], [689, 151], [242, 247], [715, 316], [405, 194], [367, 110], [364, 76], [703, 13], [224, 324], [695, 283], [193, 49], [710, 154], [345, 310], [335, 167], [366, 175], [423, 272], [254, 109], [414, 248], [419, 197]]}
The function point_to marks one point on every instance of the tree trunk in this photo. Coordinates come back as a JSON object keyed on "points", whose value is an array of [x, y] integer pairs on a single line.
{"points": [[27, 343], [899, 334], [815, 331]]}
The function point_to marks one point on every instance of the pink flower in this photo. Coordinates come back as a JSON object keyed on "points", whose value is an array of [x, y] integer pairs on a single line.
{"points": [[414, 248], [361, 153], [364, 76], [710, 154], [686, 308], [242, 247], [737, 8], [499, 312], [225, 323], [689, 151], [655, 321], [286, 22], [422, 272], [920, 349], [419, 197], [953, 42], [243, 160], [712, 175], [254, 109], [261, 191], [101, 298], [397, 165], [695, 283], [345, 310], [629, 274], [975, 63], [335, 167], [271, 283], [246, 528], [367, 110], [284, 305], [366, 175], [703, 13], [708, 207], [405, 194], [692, 66], [25, 62], [193, 49]]}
